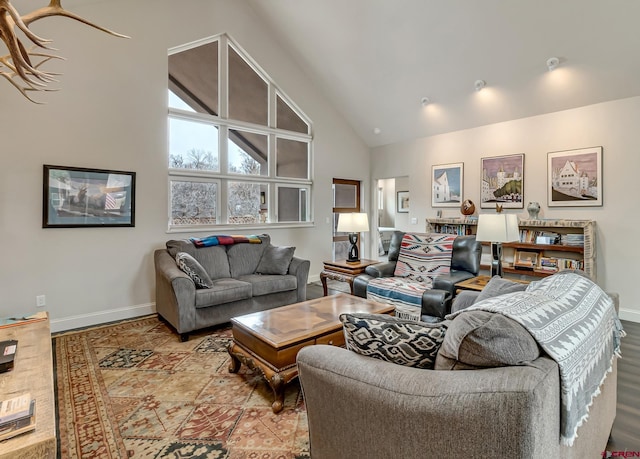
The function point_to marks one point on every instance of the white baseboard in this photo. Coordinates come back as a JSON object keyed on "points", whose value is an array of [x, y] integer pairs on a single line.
{"points": [[313, 278], [631, 316], [97, 318]]}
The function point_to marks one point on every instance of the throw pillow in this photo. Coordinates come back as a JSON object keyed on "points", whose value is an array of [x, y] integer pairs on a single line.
{"points": [[275, 260], [401, 341], [194, 270], [485, 339], [499, 286]]}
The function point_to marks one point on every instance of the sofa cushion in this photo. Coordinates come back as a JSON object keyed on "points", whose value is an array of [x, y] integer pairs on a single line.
{"points": [[213, 259], [499, 286], [424, 256], [400, 341], [275, 260], [223, 291], [194, 270], [479, 339], [265, 284], [244, 258]]}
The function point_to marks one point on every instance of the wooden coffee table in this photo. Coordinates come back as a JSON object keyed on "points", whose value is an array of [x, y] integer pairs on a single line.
{"points": [[269, 341]]}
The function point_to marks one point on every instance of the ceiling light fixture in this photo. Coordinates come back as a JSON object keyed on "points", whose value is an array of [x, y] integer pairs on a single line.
{"points": [[480, 84], [376, 131], [425, 101], [552, 63]]}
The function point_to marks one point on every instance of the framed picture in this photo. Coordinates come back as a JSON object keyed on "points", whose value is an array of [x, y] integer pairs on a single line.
{"points": [[525, 260], [402, 204], [574, 178], [502, 182], [446, 185], [75, 197]]}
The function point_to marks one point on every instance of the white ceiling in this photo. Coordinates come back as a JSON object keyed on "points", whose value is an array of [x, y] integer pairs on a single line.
{"points": [[375, 59]]}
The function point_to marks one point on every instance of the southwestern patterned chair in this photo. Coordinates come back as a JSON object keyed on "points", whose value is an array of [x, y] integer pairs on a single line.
{"points": [[419, 278]]}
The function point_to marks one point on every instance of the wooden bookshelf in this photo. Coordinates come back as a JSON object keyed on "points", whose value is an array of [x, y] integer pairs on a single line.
{"points": [[580, 256]]}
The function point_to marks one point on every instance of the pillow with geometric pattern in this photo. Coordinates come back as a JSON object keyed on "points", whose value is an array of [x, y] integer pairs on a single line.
{"points": [[194, 270], [400, 341]]}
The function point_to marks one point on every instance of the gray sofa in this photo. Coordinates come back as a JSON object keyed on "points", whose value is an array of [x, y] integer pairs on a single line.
{"points": [[244, 278], [363, 407]]}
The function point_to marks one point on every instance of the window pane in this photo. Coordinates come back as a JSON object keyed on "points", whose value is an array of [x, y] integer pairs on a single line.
{"points": [[247, 153], [345, 195], [193, 145], [292, 158], [292, 204], [193, 203], [193, 77], [177, 102], [244, 202], [248, 93], [288, 119]]}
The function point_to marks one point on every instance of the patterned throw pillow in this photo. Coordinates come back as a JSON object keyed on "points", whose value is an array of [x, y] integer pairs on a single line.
{"points": [[400, 341], [422, 257], [194, 270]]}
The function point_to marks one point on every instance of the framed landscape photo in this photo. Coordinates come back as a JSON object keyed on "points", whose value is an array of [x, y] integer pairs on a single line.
{"points": [[446, 185], [574, 178], [76, 197], [502, 182], [402, 204]]}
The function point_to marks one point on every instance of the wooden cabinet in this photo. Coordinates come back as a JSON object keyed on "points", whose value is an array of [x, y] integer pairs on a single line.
{"points": [[574, 247]]}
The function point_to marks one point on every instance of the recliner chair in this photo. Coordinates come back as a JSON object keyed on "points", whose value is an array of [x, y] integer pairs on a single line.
{"points": [[436, 302]]}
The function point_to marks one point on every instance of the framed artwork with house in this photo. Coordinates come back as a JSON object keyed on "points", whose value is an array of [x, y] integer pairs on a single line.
{"points": [[502, 182], [447, 185], [574, 178], [76, 197]]}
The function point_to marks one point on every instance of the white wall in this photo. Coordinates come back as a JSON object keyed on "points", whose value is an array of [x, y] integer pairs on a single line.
{"points": [[613, 125], [111, 114]]}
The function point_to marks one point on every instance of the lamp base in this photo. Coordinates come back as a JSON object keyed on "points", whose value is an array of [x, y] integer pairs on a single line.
{"points": [[354, 255], [496, 259]]}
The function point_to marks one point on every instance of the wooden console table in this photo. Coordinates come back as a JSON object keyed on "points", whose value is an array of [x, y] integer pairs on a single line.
{"points": [[343, 271], [32, 372]]}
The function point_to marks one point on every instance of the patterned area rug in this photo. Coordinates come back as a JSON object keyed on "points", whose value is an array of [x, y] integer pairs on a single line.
{"points": [[133, 390]]}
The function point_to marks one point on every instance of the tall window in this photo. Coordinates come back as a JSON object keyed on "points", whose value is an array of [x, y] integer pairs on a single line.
{"points": [[239, 150]]}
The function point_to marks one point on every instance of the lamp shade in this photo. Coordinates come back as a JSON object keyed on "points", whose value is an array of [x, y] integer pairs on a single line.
{"points": [[498, 228], [353, 223]]}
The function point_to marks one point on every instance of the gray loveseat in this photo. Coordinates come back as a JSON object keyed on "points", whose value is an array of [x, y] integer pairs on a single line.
{"points": [[242, 278], [363, 407]]}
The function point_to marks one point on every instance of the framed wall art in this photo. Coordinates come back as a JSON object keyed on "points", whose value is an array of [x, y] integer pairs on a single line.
{"points": [[574, 178], [402, 204], [502, 181], [447, 185], [76, 197]]}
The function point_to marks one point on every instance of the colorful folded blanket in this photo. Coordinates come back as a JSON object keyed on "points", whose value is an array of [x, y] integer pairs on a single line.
{"points": [[221, 239]]}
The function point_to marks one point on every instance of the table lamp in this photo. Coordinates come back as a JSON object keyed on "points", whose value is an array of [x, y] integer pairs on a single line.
{"points": [[353, 223], [497, 228]]}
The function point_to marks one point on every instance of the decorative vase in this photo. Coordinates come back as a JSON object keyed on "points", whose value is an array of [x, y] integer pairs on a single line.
{"points": [[534, 209]]}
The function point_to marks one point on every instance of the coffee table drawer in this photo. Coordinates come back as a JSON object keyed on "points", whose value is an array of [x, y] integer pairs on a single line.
{"points": [[334, 339]]}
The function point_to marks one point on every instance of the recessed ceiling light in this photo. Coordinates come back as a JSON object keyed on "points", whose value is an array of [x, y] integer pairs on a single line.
{"points": [[425, 101], [376, 131], [479, 84], [552, 63]]}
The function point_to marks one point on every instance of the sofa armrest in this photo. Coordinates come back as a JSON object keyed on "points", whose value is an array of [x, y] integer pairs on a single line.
{"points": [[384, 269], [300, 269], [358, 402], [448, 281], [175, 293]]}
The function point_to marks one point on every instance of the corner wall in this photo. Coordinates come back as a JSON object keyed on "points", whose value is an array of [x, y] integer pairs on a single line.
{"points": [[613, 125], [110, 113]]}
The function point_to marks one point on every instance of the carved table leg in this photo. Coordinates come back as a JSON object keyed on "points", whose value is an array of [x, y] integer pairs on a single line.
{"points": [[323, 279], [277, 385], [234, 364]]}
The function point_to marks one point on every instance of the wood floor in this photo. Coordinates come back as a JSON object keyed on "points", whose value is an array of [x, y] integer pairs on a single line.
{"points": [[625, 435]]}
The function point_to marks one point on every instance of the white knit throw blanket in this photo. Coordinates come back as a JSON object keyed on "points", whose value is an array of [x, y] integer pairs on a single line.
{"points": [[576, 324]]}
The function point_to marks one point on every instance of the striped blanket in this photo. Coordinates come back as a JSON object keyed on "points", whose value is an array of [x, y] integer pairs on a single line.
{"points": [[222, 239], [576, 324]]}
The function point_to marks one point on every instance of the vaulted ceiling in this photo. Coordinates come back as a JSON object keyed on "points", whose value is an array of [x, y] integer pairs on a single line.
{"points": [[376, 59]]}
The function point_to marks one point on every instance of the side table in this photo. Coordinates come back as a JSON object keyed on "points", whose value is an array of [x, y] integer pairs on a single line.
{"points": [[343, 271], [480, 282]]}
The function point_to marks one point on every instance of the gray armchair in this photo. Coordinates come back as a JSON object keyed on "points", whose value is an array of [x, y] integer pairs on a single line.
{"points": [[436, 302]]}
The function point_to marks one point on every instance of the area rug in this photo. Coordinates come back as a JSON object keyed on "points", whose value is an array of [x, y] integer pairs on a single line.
{"points": [[133, 390]]}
